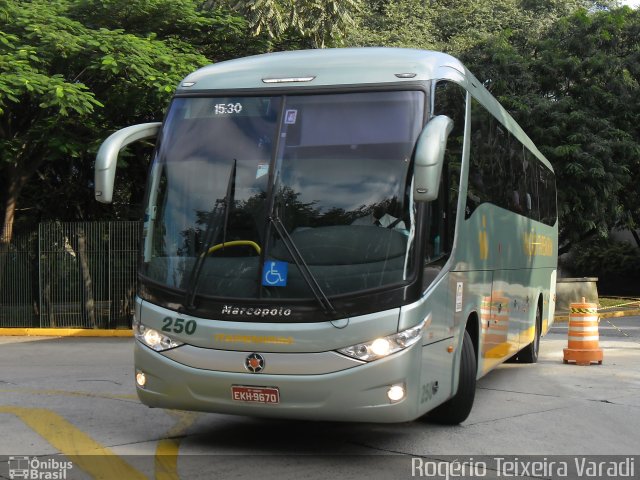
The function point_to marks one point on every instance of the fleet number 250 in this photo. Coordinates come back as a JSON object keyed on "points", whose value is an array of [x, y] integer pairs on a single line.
{"points": [[179, 325]]}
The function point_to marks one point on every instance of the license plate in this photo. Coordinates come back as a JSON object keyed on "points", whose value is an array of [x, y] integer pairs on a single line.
{"points": [[270, 395]]}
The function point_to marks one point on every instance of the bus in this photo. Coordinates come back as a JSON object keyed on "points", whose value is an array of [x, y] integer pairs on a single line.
{"points": [[342, 234], [19, 467]]}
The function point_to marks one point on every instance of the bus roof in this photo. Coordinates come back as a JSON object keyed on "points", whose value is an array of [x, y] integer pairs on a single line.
{"points": [[327, 67]]}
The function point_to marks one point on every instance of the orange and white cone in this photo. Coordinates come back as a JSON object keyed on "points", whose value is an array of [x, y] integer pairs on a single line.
{"points": [[584, 339]]}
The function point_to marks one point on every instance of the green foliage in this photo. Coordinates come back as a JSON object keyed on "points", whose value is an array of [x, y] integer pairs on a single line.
{"points": [[576, 97], [70, 74], [402, 23], [455, 26], [607, 259], [316, 23], [571, 88], [214, 32]]}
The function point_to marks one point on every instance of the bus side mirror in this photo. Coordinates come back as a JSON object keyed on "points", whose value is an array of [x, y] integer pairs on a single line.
{"points": [[429, 158], [107, 158]]}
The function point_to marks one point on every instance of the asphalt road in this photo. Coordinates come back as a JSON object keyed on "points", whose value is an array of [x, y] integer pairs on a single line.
{"points": [[75, 396]]}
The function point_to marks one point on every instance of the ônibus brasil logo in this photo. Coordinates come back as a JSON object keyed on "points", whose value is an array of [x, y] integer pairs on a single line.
{"points": [[38, 469]]}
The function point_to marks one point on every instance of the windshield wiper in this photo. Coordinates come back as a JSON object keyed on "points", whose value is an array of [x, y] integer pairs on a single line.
{"points": [[308, 276], [213, 230]]}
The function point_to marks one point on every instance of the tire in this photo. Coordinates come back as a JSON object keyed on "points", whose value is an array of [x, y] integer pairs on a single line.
{"points": [[457, 408], [529, 354]]}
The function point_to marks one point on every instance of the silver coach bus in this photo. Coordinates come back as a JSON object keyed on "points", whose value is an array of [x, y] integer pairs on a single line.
{"points": [[348, 234]]}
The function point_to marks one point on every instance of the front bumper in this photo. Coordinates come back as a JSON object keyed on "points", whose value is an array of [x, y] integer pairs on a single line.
{"points": [[358, 393]]}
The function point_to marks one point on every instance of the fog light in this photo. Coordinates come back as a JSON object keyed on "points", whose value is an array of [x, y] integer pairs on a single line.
{"points": [[396, 393], [141, 379]]}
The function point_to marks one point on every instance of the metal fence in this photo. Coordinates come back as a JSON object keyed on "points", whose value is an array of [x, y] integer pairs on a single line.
{"points": [[80, 275]]}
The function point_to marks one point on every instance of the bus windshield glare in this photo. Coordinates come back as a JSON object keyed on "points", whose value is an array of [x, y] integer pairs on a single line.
{"points": [[332, 170]]}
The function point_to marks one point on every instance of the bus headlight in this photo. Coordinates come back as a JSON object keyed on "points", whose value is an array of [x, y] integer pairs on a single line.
{"points": [[154, 339], [384, 346]]}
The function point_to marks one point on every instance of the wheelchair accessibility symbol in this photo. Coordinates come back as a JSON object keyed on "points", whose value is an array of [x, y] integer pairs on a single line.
{"points": [[274, 273]]}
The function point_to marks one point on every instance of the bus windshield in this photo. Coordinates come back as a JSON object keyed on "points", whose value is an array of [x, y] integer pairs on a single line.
{"points": [[333, 170]]}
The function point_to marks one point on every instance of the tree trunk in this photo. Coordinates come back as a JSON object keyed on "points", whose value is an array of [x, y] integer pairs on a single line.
{"points": [[7, 224], [7, 228], [47, 304], [15, 178], [89, 300]]}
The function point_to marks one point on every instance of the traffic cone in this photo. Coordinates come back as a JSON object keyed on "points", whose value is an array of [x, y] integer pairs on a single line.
{"points": [[584, 340]]}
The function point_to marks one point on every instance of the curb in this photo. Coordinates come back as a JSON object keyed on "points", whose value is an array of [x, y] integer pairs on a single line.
{"points": [[618, 314], [63, 332]]}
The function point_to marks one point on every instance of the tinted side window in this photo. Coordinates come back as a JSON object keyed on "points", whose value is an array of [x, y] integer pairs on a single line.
{"points": [[493, 163], [531, 185], [547, 198], [449, 100], [503, 172]]}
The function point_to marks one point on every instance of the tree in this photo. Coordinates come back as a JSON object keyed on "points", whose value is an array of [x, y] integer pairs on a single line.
{"points": [[212, 28], [402, 23], [455, 26], [67, 80], [595, 58], [318, 23], [574, 91]]}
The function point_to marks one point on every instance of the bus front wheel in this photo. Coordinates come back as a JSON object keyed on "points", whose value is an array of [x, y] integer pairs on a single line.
{"points": [[457, 408]]}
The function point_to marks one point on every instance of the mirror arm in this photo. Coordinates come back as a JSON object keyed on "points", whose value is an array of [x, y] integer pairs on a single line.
{"points": [[107, 157]]}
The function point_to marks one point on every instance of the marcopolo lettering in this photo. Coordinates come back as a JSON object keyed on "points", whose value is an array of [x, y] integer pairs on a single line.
{"points": [[256, 311]]}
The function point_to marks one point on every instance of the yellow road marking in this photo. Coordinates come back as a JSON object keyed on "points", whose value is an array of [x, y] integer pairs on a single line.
{"points": [[66, 393], [75, 444], [72, 442], [166, 459]]}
